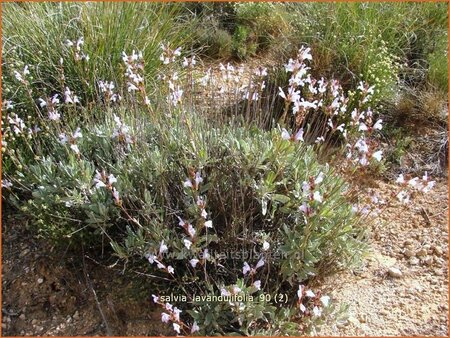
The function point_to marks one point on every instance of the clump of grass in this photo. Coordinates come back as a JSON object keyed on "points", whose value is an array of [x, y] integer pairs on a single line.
{"points": [[37, 34]]}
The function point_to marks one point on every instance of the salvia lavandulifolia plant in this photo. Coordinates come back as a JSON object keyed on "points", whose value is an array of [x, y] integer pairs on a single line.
{"points": [[236, 219]]}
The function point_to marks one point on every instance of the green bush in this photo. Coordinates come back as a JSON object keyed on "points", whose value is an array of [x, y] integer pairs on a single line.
{"points": [[375, 42], [252, 187]]}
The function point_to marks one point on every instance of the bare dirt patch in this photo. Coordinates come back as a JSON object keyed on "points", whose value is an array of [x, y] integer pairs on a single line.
{"points": [[412, 238], [46, 292]]}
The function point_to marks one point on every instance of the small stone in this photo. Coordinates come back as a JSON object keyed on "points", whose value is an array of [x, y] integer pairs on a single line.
{"points": [[384, 312], [428, 260], [409, 253], [394, 272], [3, 325], [40, 280], [438, 250], [76, 315], [34, 322], [22, 316], [408, 242], [438, 272], [362, 318], [421, 253], [354, 321], [24, 253]]}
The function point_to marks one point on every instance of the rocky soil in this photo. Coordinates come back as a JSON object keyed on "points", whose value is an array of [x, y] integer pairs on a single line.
{"points": [[402, 287], [47, 292]]}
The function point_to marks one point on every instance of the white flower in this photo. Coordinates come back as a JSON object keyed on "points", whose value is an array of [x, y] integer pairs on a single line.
{"points": [[400, 179], [155, 298], [9, 104], [285, 134], [300, 291], [362, 146], [378, 125], [194, 262], [69, 97], [325, 300], [6, 184], [176, 327], [206, 254], [112, 179], [77, 134], [204, 214], [403, 197], [429, 186], [170, 269], [236, 289], [317, 311], [187, 243], [305, 53], [302, 308], [163, 248], [198, 178], [304, 208], [187, 183], [377, 155], [80, 42], [260, 263], [306, 187], [74, 147], [299, 135], [260, 71], [42, 103], [319, 178], [191, 231], [98, 180], [195, 327], [266, 246], [165, 317], [132, 87], [225, 292], [257, 284], [18, 76], [320, 139], [208, 224], [310, 294], [54, 116], [115, 194], [176, 313], [362, 127], [151, 258], [246, 268], [317, 197]]}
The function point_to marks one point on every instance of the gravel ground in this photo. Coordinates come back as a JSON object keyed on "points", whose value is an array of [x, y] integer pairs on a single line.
{"points": [[402, 287]]}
